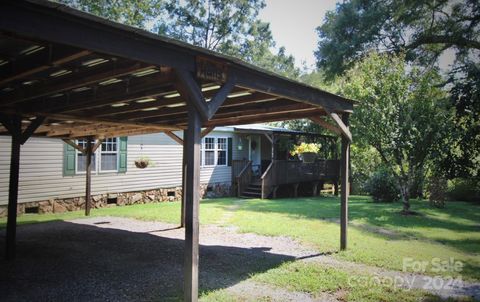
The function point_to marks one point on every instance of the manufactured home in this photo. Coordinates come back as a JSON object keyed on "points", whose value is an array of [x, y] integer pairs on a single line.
{"points": [[235, 161]]}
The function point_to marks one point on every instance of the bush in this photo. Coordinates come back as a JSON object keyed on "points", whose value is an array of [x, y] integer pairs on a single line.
{"points": [[437, 189], [461, 189], [382, 187]]}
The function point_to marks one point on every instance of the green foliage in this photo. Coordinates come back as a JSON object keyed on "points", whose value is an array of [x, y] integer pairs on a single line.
{"points": [[464, 189], [422, 28], [230, 27], [400, 114], [129, 12], [365, 160], [382, 186]]}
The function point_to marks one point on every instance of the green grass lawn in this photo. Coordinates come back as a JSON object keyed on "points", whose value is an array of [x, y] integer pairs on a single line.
{"points": [[378, 236]]}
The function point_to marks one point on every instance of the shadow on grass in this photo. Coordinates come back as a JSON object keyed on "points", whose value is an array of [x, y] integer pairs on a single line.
{"points": [[62, 261], [383, 219]]}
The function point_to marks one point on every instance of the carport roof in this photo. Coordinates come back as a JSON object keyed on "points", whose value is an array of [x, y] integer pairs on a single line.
{"points": [[90, 77]]}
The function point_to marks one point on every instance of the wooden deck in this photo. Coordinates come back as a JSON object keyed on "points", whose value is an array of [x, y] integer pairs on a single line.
{"points": [[283, 172]]}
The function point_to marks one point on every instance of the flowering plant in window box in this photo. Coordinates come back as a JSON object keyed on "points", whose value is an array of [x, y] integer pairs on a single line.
{"points": [[307, 152]]}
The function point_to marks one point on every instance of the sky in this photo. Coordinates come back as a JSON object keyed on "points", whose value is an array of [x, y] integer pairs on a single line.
{"points": [[293, 24]]}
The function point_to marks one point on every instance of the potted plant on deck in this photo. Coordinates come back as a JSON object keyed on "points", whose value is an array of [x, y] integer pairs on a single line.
{"points": [[306, 152]]}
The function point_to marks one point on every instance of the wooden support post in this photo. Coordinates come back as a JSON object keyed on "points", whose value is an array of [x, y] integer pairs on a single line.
{"points": [[344, 163], [88, 173], [192, 197], [184, 179], [295, 190], [14, 126], [274, 193], [314, 188], [335, 187], [13, 188]]}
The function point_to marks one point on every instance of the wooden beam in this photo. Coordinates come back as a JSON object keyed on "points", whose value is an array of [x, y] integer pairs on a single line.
{"points": [[57, 62], [60, 24], [191, 91], [344, 163], [88, 176], [220, 97], [82, 79], [323, 123], [16, 133], [97, 144], [132, 132], [345, 131], [283, 87], [192, 199], [32, 127], [85, 119], [270, 139], [76, 146], [184, 178], [206, 131], [263, 119], [174, 137]]}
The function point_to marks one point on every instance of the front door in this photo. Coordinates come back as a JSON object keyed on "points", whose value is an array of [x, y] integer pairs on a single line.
{"points": [[254, 154]]}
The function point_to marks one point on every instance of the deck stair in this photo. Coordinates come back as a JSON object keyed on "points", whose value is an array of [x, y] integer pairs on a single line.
{"points": [[253, 190]]}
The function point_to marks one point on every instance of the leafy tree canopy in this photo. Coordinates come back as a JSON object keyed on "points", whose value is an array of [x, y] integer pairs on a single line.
{"points": [[422, 29], [399, 113]]}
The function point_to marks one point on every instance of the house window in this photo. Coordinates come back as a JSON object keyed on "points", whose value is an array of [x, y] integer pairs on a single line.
{"points": [[82, 158], [209, 147], [109, 155], [214, 151], [221, 151]]}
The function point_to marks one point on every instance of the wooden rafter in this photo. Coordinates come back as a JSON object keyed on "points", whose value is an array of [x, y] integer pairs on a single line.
{"points": [[206, 131], [34, 70], [345, 131], [323, 123], [174, 137], [81, 80]]}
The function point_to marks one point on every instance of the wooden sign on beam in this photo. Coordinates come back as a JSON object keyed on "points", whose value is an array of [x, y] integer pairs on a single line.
{"points": [[211, 70]]}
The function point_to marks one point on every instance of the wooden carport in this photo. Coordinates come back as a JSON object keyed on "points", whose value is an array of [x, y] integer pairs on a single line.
{"points": [[70, 75]]}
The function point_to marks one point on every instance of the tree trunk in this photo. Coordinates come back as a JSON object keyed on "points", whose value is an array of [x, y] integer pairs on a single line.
{"points": [[404, 194]]}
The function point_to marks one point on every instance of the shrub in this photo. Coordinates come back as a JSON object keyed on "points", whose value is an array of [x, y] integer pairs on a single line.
{"points": [[382, 187], [462, 189], [437, 189]]}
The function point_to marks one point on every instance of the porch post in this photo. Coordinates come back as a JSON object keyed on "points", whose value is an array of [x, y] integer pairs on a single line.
{"points": [[88, 177], [184, 178], [15, 132], [192, 196], [344, 163]]}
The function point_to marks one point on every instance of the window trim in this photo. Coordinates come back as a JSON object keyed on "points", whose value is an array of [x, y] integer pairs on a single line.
{"points": [[98, 159], [99, 150], [215, 150]]}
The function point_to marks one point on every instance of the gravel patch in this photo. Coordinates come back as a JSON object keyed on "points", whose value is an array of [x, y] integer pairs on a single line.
{"points": [[121, 259]]}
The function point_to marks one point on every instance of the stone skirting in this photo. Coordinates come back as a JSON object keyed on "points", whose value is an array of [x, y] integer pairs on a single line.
{"points": [[60, 205]]}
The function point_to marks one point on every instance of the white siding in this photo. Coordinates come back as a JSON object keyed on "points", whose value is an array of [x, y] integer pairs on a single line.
{"points": [[41, 169]]}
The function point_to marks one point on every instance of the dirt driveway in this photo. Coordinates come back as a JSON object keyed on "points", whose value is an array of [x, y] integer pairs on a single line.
{"points": [[120, 259]]}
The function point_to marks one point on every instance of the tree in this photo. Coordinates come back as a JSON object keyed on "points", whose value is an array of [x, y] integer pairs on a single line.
{"points": [[399, 114], [227, 26], [129, 12], [423, 29], [230, 27]]}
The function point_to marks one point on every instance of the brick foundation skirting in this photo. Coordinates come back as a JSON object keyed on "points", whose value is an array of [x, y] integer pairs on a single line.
{"points": [[61, 205]]}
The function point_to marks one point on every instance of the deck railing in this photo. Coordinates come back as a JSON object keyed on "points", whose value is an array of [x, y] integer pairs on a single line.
{"points": [[243, 178], [289, 171], [267, 180]]}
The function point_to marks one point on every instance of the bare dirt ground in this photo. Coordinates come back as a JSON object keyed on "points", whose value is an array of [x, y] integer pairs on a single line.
{"points": [[119, 259]]}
